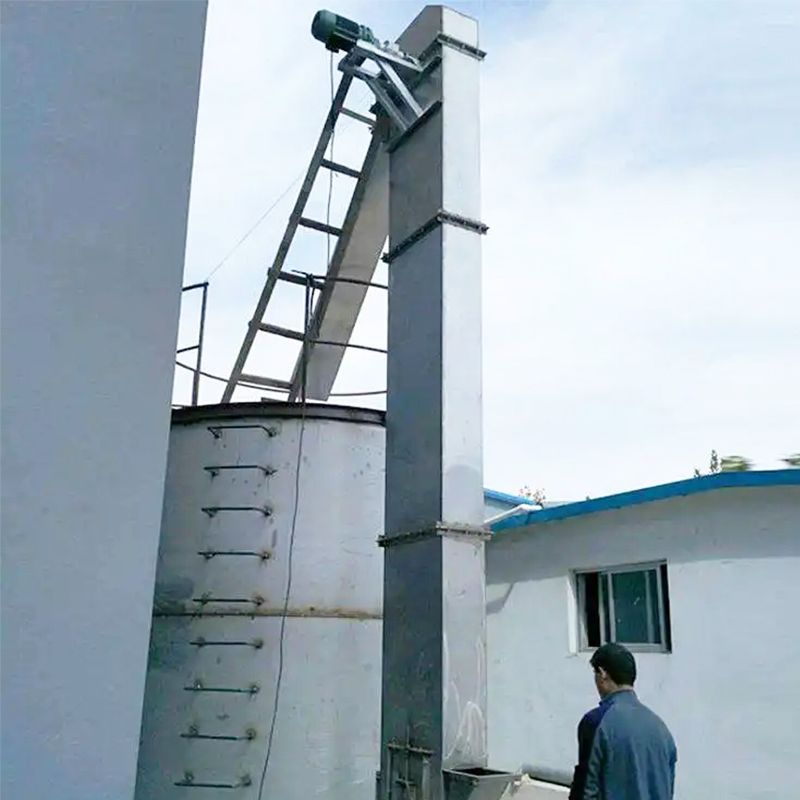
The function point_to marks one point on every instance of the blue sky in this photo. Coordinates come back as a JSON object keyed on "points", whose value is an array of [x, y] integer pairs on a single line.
{"points": [[641, 165]]}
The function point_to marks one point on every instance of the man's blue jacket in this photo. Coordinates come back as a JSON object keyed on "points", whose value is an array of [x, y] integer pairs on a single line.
{"points": [[625, 752]]}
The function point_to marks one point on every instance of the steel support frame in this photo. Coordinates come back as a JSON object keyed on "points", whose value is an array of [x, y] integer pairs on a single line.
{"points": [[387, 81], [197, 371], [359, 241], [433, 715], [352, 267], [364, 230], [274, 272]]}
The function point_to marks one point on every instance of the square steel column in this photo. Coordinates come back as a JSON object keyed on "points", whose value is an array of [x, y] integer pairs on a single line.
{"points": [[434, 625]]}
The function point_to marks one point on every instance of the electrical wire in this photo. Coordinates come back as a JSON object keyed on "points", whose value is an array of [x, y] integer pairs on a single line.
{"points": [[287, 596], [259, 221], [298, 466], [284, 193], [330, 173], [357, 394]]}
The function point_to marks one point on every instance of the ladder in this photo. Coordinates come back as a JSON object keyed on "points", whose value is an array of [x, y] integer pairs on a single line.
{"points": [[334, 300]]}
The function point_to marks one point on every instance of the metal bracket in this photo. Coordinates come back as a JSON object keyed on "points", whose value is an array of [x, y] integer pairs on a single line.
{"points": [[440, 218], [208, 554], [392, 93], [205, 599], [189, 782], [217, 430], [408, 770], [404, 136], [215, 469], [389, 54], [456, 44], [212, 511], [194, 733], [452, 531], [256, 644], [198, 686]]}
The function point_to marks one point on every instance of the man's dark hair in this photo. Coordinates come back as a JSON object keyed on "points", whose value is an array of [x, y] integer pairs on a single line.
{"points": [[617, 661]]}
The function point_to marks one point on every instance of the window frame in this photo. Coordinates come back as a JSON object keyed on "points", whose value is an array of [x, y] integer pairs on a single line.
{"points": [[605, 587]]}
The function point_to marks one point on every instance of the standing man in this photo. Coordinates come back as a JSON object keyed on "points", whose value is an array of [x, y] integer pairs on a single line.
{"points": [[625, 751]]}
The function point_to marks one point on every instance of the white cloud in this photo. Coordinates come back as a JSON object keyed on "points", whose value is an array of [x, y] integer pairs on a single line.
{"points": [[641, 164]]}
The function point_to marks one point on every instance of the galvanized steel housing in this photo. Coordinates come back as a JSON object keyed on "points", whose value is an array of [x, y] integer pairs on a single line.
{"points": [[215, 655]]}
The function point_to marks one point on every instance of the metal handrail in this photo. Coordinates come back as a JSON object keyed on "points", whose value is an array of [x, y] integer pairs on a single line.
{"points": [[197, 371]]}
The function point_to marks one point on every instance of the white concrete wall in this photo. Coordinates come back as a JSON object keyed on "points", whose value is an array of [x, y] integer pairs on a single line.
{"points": [[729, 690], [99, 105]]}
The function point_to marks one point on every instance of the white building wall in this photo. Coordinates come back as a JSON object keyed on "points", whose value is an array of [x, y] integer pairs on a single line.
{"points": [[729, 690], [99, 106]]}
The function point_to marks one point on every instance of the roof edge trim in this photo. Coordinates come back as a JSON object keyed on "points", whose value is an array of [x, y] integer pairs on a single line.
{"points": [[665, 491]]}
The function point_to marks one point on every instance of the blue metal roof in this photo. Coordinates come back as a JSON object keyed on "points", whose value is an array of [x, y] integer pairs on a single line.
{"points": [[502, 497], [706, 483]]}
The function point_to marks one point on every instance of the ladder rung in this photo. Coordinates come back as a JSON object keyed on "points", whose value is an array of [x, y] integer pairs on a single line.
{"points": [[360, 117], [300, 280], [278, 331], [269, 382], [340, 168], [319, 226]]}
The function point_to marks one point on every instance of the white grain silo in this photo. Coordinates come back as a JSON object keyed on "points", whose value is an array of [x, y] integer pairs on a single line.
{"points": [[231, 505]]}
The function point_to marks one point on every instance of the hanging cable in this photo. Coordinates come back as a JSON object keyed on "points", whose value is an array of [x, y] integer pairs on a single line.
{"points": [[298, 465], [330, 173], [258, 222], [358, 394], [287, 596]]}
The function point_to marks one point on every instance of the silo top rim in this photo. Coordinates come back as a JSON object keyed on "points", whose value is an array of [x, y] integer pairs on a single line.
{"points": [[277, 409]]}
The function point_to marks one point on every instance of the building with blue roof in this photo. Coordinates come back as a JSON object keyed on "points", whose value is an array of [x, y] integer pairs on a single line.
{"points": [[701, 579], [499, 506]]}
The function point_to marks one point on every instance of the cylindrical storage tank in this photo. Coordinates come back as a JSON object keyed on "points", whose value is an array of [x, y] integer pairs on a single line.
{"points": [[249, 486]]}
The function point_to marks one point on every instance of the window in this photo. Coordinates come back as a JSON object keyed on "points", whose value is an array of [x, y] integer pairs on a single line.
{"points": [[628, 605]]}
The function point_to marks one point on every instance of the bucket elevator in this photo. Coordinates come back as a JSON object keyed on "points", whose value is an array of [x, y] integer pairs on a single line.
{"points": [[420, 185], [419, 188]]}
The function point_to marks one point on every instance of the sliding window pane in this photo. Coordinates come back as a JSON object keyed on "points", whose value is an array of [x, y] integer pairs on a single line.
{"points": [[630, 607], [654, 605]]}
